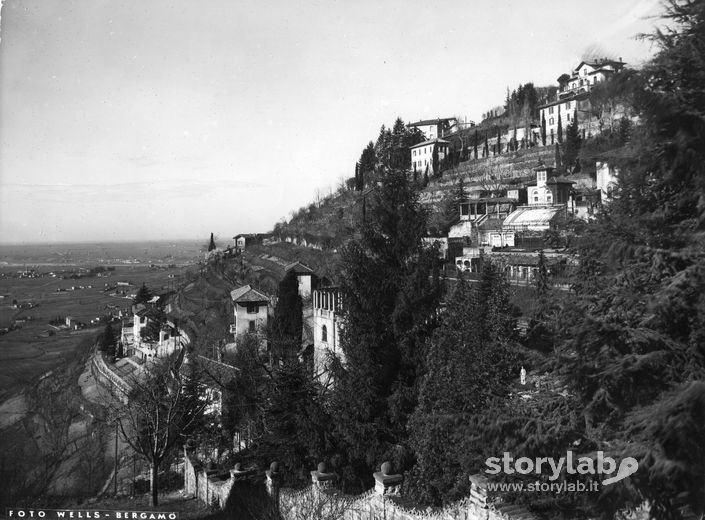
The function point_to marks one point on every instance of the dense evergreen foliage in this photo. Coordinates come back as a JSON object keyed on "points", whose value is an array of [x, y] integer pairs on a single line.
{"points": [[616, 365], [571, 147], [144, 294], [470, 363], [390, 289], [287, 324], [635, 345]]}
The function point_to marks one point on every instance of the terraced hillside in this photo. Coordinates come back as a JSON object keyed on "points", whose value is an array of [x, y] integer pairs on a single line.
{"points": [[328, 223]]}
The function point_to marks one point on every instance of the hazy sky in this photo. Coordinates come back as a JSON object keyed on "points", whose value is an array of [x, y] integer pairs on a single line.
{"points": [[161, 119]]}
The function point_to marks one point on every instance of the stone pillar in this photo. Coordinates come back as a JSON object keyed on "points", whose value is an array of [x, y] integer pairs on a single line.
{"points": [[386, 482], [321, 479], [237, 473], [273, 482]]}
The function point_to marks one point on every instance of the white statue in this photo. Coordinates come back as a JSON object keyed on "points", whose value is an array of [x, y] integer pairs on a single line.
{"points": [[522, 376]]}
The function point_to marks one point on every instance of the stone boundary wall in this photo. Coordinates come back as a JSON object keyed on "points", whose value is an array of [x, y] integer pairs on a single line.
{"points": [[109, 379], [313, 503], [322, 501], [212, 487]]}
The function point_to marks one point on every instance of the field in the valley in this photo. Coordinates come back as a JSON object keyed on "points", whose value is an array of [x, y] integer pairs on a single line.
{"points": [[32, 347]]}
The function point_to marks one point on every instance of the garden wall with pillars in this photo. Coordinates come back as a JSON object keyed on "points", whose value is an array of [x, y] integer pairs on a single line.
{"points": [[322, 500], [210, 486]]}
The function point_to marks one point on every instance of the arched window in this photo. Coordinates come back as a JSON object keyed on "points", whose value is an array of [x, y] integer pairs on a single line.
{"points": [[536, 195], [324, 334]]}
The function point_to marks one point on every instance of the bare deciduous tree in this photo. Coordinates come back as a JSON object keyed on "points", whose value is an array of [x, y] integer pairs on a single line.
{"points": [[495, 177], [164, 408]]}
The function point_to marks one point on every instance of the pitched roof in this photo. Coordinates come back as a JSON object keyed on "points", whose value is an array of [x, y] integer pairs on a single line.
{"points": [[246, 294], [598, 64], [299, 268], [436, 121], [430, 141]]}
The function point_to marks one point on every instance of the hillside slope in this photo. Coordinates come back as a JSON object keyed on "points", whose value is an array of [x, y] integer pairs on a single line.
{"points": [[328, 223]]}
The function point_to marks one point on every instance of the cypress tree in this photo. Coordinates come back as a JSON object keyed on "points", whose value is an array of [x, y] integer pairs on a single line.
{"points": [[459, 399], [572, 144], [390, 290], [543, 129], [143, 294], [435, 162], [287, 324]]}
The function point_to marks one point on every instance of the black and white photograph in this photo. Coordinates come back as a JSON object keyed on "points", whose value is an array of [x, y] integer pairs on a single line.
{"points": [[352, 260]]}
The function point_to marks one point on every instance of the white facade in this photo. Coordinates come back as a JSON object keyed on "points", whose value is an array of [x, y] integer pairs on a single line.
{"points": [[170, 339], [250, 318], [565, 110], [606, 180], [588, 74], [304, 285], [250, 313], [327, 327], [139, 322], [304, 275], [422, 154], [539, 194], [573, 96], [436, 128]]}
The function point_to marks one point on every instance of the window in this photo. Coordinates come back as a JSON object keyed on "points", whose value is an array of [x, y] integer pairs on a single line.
{"points": [[324, 334], [548, 198], [536, 195], [252, 309], [251, 326], [550, 110], [465, 209], [550, 121]]}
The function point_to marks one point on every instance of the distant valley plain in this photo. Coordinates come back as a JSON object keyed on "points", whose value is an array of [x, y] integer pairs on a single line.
{"points": [[41, 283]]}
